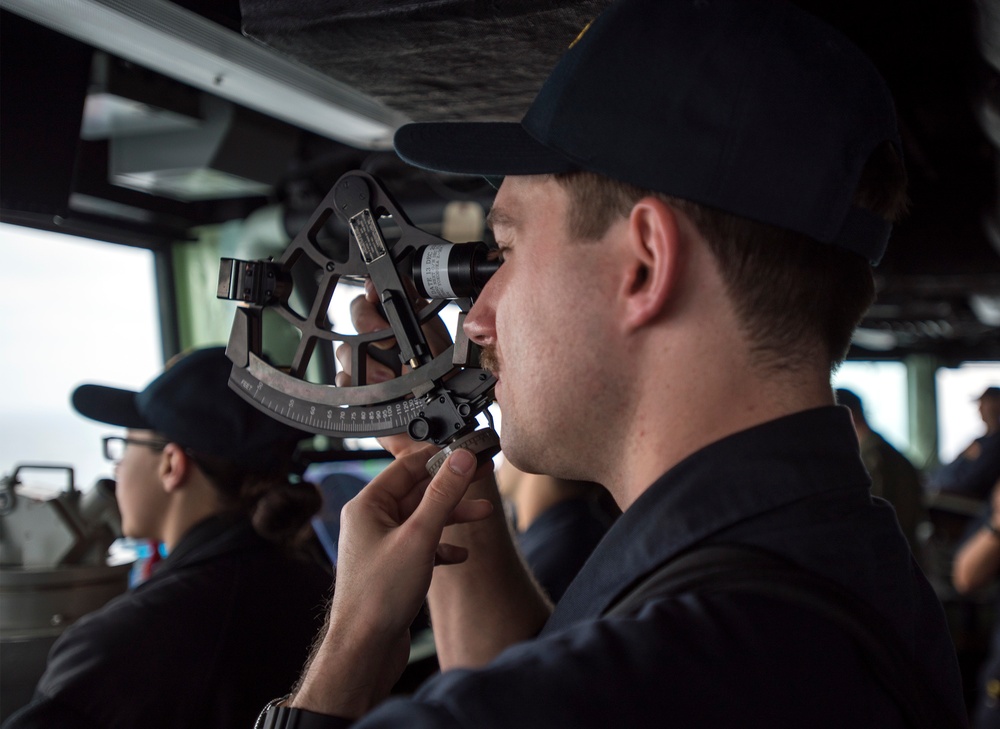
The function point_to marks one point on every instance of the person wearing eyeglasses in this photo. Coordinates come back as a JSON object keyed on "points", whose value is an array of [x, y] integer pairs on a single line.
{"points": [[227, 619]]}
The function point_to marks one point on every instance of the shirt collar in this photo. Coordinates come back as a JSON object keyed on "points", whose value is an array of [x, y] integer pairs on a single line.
{"points": [[210, 537]]}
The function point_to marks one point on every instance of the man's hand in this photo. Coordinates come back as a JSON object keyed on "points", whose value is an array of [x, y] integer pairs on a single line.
{"points": [[389, 539], [490, 601]]}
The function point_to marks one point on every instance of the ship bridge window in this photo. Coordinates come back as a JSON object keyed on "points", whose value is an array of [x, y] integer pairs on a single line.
{"points": [[76, 311], [882, 388]]}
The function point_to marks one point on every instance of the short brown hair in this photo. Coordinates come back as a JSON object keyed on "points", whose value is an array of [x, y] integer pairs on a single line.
{"points": [[792, 294]]}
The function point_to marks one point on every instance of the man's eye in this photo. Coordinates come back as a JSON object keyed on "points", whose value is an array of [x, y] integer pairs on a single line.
{"points": [[497, 254]]}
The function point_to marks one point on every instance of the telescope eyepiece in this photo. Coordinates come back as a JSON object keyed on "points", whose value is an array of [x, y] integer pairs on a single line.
{"points": [[453, 271]]}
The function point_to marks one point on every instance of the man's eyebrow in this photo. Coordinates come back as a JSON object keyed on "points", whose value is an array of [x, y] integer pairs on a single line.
{"points": [[499, 217]]}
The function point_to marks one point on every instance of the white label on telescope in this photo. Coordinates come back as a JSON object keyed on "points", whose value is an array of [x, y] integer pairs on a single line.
{"points": [[434, 271]]}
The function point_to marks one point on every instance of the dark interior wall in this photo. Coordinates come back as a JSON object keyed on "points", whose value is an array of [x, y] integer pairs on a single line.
{"points": [[43, 83]]}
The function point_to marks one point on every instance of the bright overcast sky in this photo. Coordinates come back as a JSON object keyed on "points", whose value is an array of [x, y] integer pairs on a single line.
{"points": [[75, 311]]}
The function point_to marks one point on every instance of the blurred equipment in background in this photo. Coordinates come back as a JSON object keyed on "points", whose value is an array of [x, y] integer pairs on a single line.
{"points": [[53, 570]]}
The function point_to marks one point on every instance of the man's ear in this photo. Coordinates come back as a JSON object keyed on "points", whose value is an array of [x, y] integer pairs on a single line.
{"points": [[654, 248], [175, 465]]}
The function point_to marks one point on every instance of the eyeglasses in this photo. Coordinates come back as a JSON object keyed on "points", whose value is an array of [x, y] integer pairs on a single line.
{"points": [[114, 446]]}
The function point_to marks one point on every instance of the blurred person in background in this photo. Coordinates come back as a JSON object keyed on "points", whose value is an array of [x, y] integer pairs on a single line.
{"points": [[227, 618], [977, 564], [977, 468], [894, 478]]}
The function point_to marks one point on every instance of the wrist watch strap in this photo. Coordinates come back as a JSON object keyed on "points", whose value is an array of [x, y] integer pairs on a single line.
{"points": [[276, 716]]}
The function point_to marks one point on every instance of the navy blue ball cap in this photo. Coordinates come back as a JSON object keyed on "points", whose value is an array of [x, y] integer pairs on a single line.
{"points": [[753, 107], [490, 149], [191, 404]]}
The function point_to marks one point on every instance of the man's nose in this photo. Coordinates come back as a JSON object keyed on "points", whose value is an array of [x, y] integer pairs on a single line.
{"points": [[480, 322]]}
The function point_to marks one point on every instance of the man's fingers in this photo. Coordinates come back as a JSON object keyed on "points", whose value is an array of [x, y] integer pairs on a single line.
{"points": [[444, 492], [376, 372], [450, 554], [471, 510], [399, 479], [436, 333], [366, 316]]}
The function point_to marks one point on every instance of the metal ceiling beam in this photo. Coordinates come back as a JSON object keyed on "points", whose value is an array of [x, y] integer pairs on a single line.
{"points": [[181, 44]]}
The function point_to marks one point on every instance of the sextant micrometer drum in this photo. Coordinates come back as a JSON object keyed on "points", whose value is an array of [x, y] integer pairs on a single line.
{"points": [[439, 395]]}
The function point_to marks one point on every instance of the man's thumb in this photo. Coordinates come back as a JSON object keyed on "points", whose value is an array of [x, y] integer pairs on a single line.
{"points": [[446, 489]]}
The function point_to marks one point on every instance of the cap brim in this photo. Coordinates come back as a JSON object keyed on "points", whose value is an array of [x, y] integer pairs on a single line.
{"points": [[490, 149], [109, 405]]}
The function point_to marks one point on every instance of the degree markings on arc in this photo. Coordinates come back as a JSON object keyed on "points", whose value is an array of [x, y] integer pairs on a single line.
{"points": [[361, 419]]}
